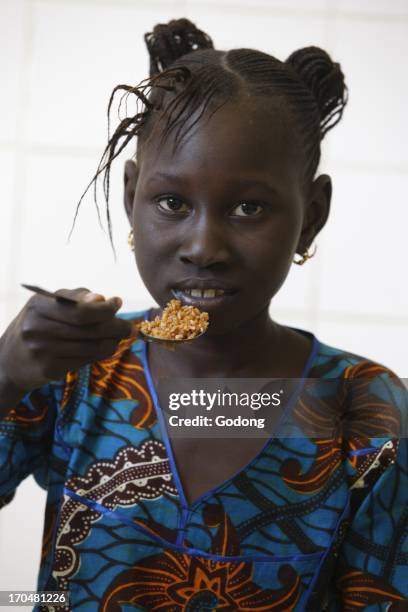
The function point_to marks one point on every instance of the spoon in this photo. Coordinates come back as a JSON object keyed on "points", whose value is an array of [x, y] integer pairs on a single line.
{"points": [[58, 297], [170, 344]]}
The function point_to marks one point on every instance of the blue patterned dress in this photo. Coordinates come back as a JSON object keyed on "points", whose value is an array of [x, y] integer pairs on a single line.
{"points": [[309, 524]]}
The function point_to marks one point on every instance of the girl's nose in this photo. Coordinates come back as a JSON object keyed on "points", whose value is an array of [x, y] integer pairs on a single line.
{"points": [[205, 244]]}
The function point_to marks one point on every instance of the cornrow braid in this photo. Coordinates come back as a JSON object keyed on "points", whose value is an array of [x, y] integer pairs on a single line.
{"points": [[127, 129], [188, 75], [172, 40], [325, 80]]}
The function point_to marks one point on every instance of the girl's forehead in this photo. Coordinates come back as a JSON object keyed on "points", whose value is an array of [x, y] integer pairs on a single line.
{"points": [[238, 136]]}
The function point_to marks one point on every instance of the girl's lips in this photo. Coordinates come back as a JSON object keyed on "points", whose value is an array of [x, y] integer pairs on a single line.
{"points": [[204, 303]]}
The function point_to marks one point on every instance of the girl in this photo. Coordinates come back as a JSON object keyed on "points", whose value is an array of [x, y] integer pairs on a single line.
{"points": [[221, 198]]}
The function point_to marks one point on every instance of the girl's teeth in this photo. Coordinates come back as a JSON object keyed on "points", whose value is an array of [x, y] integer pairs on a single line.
{"points": [[210, 293], [206, 293]]}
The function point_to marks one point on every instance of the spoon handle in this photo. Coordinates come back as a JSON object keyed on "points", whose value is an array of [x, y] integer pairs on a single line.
{"points": [[59, 298]]}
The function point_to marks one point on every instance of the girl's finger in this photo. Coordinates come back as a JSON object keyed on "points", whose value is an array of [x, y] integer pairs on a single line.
{"points": [[80, 314], [115, 329], [92, 350]]}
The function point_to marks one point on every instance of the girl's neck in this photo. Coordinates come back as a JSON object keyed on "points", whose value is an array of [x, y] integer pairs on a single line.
{"points": [[238, 353]]}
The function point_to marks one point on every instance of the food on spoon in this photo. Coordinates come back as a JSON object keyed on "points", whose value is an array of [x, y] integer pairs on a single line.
{"points": [[177, 323]]}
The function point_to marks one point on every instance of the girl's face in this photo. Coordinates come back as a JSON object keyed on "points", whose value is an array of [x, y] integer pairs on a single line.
{"points": [[225, 212]]}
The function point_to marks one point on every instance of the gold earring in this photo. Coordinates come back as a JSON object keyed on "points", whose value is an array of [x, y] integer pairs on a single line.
{"points": [[131, 240], [306, 255]]}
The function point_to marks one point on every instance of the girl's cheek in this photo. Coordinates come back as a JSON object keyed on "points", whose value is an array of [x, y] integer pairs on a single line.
{"points": [[153, 252]]}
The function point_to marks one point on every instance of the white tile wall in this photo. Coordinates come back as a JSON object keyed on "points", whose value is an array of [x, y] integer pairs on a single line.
{"points": [[374, 130], [283, 6], [366, 9], [4, 319], [12, 48], [81, 52], [278, 33], [21, 527], [54, 185], [8, 177], [59, 60], [384, 343], [364, 245]]}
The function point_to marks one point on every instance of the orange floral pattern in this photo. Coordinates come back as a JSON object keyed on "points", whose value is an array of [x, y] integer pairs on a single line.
{"points": [[177, 582], [121, 377]]}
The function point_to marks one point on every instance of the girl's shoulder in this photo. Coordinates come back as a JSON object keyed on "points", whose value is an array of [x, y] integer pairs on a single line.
{"points": [[335, 362], [329, 361], [377, 398]]}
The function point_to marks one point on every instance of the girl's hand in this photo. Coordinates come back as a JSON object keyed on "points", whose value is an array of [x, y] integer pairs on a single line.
{"points": [[48, 338]]}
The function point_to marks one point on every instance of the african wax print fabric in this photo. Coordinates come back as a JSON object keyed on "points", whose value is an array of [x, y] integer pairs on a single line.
{"points": [[310, 523]]}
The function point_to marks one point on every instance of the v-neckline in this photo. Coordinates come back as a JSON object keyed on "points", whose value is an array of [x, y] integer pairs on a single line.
{"points": [[166, 439]]}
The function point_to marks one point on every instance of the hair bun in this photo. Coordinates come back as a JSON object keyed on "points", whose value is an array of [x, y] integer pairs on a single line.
{"points": [[170, 41], [325, 80]]}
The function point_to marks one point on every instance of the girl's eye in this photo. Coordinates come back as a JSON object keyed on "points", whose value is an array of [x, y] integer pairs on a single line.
{"points": [[176, 205], [172, 204], [248, 209]]}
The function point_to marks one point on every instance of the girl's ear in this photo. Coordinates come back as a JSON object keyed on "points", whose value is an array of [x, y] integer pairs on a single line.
{"points": [[317, 211], [130, 178]]}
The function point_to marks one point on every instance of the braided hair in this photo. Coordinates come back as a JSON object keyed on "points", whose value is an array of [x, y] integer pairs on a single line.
{"points": [[188, 75]]}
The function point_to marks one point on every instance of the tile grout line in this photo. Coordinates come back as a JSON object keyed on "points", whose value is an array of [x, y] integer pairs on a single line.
{"points": [[346, 15], [339, 165], [317, 277], [345, 317], [50, 149], [19, 189], [326, 316], [314, 288]]}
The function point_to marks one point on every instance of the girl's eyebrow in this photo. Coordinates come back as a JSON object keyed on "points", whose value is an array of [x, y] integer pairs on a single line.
{"points": [[238, 181], [164, 175]]}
